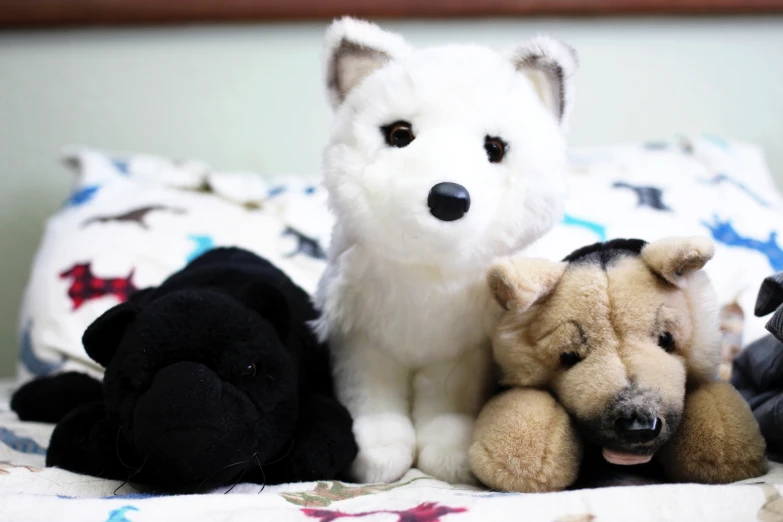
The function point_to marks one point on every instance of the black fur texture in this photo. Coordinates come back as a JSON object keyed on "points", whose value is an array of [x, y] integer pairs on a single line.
{"points": [[63, 393], [606, 253], [211, 378], [757, 372]]}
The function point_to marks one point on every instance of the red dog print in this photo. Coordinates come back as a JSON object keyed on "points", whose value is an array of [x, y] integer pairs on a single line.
{"points": [[86, 286], [426, 512]]}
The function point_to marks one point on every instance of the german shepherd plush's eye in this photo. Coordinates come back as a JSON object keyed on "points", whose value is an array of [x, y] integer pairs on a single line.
{"points": [[569, 359], [666, 341]]}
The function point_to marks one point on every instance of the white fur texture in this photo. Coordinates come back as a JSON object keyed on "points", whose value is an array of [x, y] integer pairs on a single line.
{"points": [[403, 300]]}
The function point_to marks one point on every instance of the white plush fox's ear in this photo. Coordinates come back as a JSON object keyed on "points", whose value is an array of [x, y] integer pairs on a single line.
{"points": [[354, 49], [551, 66]]}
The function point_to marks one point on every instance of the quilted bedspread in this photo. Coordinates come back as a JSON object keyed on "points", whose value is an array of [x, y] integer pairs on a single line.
{"points": [[31, 492]]}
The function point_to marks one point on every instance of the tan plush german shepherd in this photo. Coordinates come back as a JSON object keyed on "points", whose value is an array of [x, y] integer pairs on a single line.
{"points": [[616, 349]]}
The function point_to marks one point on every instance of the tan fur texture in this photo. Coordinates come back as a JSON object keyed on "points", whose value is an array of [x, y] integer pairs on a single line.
{"points": [[615, 338], [675, 258], [718, 441], [517, 283], [732, 321], [525, 441]]}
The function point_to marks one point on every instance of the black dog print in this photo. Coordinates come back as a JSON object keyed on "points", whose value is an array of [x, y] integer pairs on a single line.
{"points": [[136, 215], [648, 196], [305, 245]]}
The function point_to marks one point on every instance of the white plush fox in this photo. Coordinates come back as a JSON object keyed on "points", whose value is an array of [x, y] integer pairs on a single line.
{"points": [[440, 160]]}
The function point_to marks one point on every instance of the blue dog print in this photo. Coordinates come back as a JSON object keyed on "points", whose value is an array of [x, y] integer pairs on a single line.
{"points": [[32, 362], [118, 515], [82, 196], [202, 244], [19, 443], [724, 232], [596, 228]]}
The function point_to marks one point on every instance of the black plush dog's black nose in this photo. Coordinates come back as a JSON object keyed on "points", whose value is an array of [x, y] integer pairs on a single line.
{"points": [[448, 201], [638, 430]]}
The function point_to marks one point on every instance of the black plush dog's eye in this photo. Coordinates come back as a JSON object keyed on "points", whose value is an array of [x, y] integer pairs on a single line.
{"points": [[496, 149], [666, 341], [250, 370], [569, 359], [399, 134]]}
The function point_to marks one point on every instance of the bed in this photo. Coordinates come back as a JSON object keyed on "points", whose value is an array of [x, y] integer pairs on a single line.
{"points": [[31, 492], [137, 218]]}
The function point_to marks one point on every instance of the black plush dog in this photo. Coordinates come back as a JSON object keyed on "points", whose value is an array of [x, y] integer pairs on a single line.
{"points": [[211, 378], [758, 371]]}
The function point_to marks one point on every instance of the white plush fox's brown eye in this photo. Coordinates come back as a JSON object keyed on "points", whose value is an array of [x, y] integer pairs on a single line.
{"points": [[496, 149], [398, 134]]}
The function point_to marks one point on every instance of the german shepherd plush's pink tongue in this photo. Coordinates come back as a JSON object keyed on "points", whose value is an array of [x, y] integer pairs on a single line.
{"points": [[625, 459]]}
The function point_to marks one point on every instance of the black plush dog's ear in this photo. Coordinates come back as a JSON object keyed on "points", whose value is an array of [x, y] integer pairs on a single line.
{"points": [[271, 304], [769, 300], [770, 295], [102, 337]]}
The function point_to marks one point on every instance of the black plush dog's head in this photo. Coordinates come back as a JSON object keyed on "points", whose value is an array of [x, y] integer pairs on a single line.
{"points": [[201, 384]]}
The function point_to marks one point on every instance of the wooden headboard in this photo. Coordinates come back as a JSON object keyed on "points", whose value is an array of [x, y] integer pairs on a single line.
{"points": [[53, 13]]}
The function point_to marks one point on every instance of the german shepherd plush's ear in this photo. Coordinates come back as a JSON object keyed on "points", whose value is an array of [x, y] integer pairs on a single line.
{"points": [[518, 283], [675, 258], [103, 336]]}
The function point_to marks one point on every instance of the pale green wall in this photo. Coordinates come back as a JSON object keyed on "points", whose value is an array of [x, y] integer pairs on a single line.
{"points": [[250, 98]]}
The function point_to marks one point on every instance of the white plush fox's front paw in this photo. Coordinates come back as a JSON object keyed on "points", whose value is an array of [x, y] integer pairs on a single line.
{"points": [[443, 448], [387, 444]]}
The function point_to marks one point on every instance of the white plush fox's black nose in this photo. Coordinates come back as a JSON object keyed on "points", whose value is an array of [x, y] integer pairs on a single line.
{"points": [[448, 201]]}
